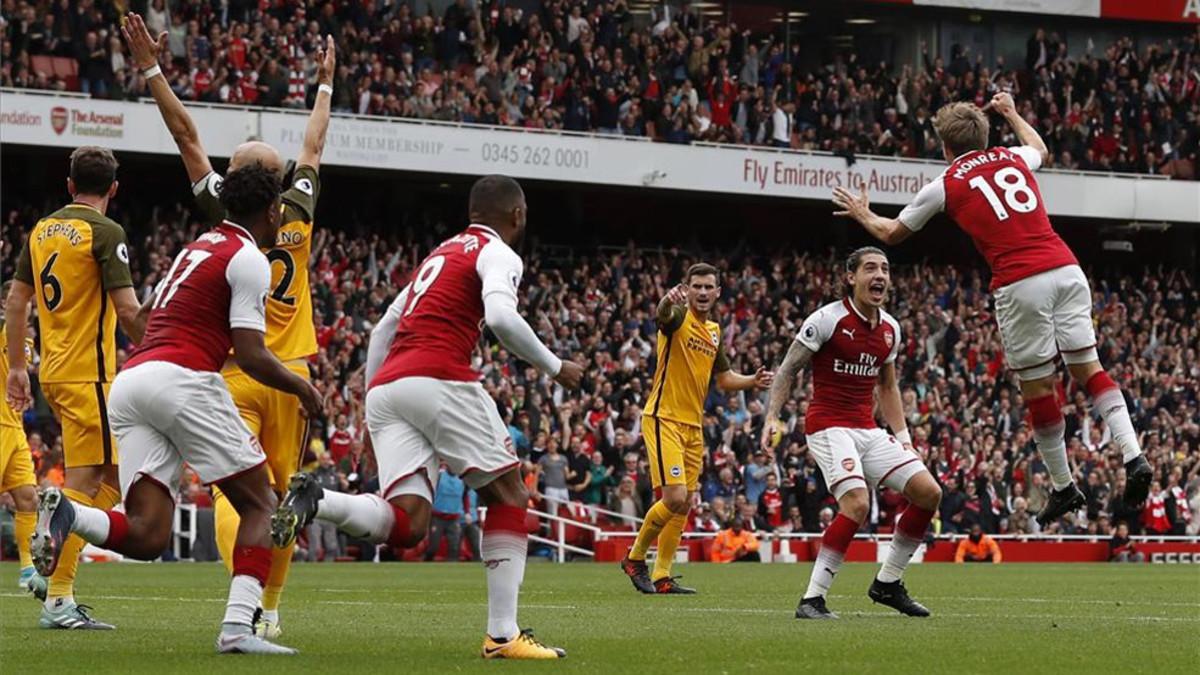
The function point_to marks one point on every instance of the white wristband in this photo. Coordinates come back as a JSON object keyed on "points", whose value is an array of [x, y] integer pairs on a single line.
{"points": [[152, 71], [325, 88], [903, 437]]}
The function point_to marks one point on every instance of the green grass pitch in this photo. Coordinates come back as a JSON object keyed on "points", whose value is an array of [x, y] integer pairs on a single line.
{"points": [[431, 617]]}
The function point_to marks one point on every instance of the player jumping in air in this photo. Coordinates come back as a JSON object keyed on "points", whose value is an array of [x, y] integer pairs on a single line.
{"points": [[272, 415], [17, 476], [76, 263], [1043, 303], [689, 353], [852, 345], [425, 405], [170, 405]]}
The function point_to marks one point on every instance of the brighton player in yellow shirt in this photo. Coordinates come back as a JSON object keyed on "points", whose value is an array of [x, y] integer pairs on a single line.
{"points": [[76, 263], [16, 472], [274, 417], [689, 354]]}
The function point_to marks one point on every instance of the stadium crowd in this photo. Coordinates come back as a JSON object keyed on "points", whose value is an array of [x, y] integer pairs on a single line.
{"points": [[965, 413], [594, 66]]}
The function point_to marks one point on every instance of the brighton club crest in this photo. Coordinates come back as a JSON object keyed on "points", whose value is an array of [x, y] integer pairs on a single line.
{"points": [[716, 338]]}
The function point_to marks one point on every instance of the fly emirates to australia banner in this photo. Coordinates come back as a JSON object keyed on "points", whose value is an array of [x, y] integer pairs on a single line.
{"points": [[1173, 11]]}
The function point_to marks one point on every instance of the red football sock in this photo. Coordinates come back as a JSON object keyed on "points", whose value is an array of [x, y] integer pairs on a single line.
{"points": [[401, 532], [118, 528], [252, 561], [914, 521], [839, 534]]}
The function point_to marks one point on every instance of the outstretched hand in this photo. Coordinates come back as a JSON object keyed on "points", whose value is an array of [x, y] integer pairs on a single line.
{"points": [[853, 206], [142, 46], [326, 61]]}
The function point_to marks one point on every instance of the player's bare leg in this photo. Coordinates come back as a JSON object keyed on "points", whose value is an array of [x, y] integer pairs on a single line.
{"points": [[1045, 410], [924, 496], [96, 486], [505, 545], [1107, 399], [852, 511], [25, 519], [250, 494]]}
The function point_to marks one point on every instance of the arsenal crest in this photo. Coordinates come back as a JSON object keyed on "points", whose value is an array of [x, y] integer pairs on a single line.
{"points": [[889, 338], [848, 464], [58, 119]]}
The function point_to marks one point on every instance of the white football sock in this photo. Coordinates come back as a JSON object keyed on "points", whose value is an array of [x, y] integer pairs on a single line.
{"points": [[1111, 404], [899, 554], [91, 524], [1053, 448], [364, 516], [824, 570], [504, 557], [271, 615], [245, 596]]}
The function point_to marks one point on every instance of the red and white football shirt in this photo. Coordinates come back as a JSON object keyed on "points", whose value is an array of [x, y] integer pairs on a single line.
{"points": [[443, 312], [217, 283], [849, 352], [993, 196]]}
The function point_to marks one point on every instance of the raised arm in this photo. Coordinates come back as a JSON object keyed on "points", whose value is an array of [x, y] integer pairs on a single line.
{"points": [[858, 207], [1026, 134], [145, 49], [798, 357], [318, 120]]}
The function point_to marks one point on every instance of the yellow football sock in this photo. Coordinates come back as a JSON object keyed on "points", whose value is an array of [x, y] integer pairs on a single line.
{"points": [[226, 523], [106, 497], [62, 582], [23, 530], [668, 542], [281, 562], [656, 520]]}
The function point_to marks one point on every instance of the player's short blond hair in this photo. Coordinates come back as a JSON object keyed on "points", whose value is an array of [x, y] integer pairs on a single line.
{"points": [[962, 127]]}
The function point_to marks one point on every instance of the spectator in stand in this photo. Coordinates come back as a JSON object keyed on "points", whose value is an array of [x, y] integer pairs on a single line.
{"points": [[978, 547], [596, 67], [1154, 515], [447, 514], [554, 469], [341, 438], [735, 544], [625, 501], [322, 535], [1020, 521], [771, 504], [1121, 547]]}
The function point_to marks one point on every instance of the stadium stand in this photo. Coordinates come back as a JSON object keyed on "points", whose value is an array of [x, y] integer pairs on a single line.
{"points": [[580, 66]]}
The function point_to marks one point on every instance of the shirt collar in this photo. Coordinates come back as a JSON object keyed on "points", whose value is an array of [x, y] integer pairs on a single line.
{"points": [[864, 319], [243, 230], [486, 228]]}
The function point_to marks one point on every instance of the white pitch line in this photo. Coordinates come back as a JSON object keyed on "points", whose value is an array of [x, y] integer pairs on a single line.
{"points": [[692, 610], [1050, 601]]}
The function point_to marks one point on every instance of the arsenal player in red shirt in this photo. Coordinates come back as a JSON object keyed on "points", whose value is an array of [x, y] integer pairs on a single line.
{"points": [[851, 345], [1043, 302], [169, 405]]}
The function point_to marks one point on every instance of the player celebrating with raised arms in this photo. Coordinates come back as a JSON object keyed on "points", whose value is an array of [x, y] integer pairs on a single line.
{"points": [[852, 346], [169, 406], [689, 353], [272, 415], [1043, 303], [425, 406]]}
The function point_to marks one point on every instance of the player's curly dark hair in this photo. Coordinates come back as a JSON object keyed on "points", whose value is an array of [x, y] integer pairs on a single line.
{"points": [[248, 191]]}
